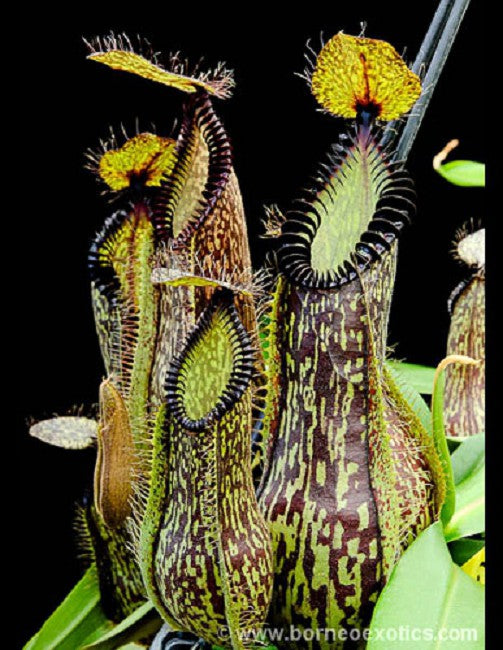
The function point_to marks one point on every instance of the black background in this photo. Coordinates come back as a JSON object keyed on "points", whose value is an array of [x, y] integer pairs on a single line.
{"points": [[68, 103]]}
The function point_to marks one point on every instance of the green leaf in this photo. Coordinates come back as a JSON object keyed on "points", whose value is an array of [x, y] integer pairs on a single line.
{"points": [[411, 395], [468, 468], [437, 409], [468, 457], [78, 618], [142, 623], [430, 595], [463, 549], [465, 173], [469, 515], [419, 377]]}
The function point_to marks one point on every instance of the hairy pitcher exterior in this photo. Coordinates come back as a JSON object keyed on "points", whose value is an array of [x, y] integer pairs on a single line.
{"points": [[205, 546], [179, 211], [464, 399], [351, 477], [201, 244]]}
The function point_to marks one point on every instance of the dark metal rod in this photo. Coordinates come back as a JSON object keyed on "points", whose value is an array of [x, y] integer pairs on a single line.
{"points": [[431, 57]]}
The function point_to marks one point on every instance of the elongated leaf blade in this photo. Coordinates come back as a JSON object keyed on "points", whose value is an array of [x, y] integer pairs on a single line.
{"points": [[469, 515], [427, 592], [465, 173], [142, 623], [78, 618], [469, 474], [468, 457], [419, 377]]}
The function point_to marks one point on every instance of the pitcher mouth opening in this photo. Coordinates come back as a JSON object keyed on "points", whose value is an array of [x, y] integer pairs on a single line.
{"points": [[350, 219], [197, 373], [202, 139]]}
